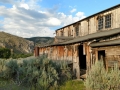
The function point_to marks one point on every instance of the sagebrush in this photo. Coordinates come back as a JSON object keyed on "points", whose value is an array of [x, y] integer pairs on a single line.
{"points": [[100, 79], [36, 73]]}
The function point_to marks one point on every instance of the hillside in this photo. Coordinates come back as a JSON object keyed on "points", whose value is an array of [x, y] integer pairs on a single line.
{"points": [[40, 41], [15, 43]]}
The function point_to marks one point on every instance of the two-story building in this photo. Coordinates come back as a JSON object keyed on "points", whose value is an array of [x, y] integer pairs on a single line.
{"points": [[96, 37]]}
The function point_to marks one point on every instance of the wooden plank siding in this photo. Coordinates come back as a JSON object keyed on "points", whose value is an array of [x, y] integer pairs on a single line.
{"points": [[87, 26], [69, 52], [112, 54]]}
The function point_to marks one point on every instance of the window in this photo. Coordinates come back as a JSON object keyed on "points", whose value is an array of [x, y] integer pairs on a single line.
{"points": [[100, 23], [77, 30], [104, 22], [69, 32], [62, 34], [108, 21]]}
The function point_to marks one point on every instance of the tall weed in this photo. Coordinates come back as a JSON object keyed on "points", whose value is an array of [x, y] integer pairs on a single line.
{"points": [[100, 79]]}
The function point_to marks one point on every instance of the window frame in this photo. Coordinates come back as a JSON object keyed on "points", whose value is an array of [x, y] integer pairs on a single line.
{"points": [[62, 33], [69, 32], [101, 23], [77, 30], [104, 26], [108, 17]]}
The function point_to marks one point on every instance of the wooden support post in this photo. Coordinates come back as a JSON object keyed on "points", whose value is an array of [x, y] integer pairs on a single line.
{"points": [[88, 58], [76, 67]]}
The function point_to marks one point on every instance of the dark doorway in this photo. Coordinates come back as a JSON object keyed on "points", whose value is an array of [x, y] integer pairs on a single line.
{"points": [[101, 56], [82, 58]]}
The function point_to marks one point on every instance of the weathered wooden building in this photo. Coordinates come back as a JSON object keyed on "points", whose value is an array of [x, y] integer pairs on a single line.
{"points": [[88, 40]]}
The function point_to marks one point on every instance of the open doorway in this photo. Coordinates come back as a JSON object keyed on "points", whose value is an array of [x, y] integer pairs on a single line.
{"points": [[82, 60], [101, 56]]}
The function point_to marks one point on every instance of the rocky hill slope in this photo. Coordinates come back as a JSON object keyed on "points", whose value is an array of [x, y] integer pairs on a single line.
{"points": [[15, 43], [40, 41]]}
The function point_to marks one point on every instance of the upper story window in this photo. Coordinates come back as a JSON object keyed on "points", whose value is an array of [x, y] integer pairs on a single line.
{"points": [[104, 22], [108, 21], [100, 23], [62, 33], [77, 30], [69, 32]]}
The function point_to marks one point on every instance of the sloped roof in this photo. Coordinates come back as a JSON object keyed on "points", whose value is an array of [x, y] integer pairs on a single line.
{"points": [[94, 36], [106, 43], [64, 37]]}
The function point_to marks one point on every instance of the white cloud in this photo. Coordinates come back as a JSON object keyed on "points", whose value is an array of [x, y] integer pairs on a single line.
{"points": [[68, 19], [80, 15], [73, 10], [27, 19], [54, 21], [24, 6]]}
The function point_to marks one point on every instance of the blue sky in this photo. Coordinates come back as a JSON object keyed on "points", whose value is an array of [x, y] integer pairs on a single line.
{"points": [[30, 18]]}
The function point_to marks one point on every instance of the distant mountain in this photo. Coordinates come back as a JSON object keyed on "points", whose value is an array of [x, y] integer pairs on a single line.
{"points": [[15, 43], [40, 41]]}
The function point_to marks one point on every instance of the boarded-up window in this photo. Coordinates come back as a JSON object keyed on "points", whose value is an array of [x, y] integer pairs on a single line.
{"points": [[108, 21], [100, 23], [77, 30], [69, 32], [62, 33]]}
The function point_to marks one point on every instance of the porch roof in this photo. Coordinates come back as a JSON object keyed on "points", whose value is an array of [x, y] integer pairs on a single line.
{"points": [[106, 43], [64, 37], [100, 34]]}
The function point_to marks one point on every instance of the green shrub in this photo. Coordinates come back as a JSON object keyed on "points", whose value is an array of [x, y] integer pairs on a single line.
{"points": [[22, 55], [12, 70], [2, 66], [5, 53], [99, 79], [37, 73], [65, 73], [48, 76]]}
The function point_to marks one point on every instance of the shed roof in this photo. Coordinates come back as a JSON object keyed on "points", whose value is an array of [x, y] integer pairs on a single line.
{"points": [[94, 36], [106, 43], [64, 37]]}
